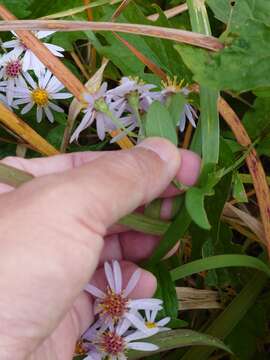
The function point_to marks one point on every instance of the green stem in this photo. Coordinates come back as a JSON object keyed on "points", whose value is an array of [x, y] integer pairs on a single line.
{"points": [[208, 98]]}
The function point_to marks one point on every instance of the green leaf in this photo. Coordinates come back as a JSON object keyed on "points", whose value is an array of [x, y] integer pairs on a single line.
{"points": [[20, 8], [241, 11], [178, 338], [241, 66], [239, 192], [160, 123], [38, 9], [230, 317], [166, 291], [195, 207], [145, 224], [217, 262], [175, 106], [256, 120], [174, 232], [159, 51]]}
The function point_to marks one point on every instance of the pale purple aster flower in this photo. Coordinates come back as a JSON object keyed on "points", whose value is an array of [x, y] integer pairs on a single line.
{"points": [[30, 61], [103, 122], [172, 87], [114, 304], [12, 73], [113, 343], [130, 85], [150, 320], [40, 94], [188, 113]]}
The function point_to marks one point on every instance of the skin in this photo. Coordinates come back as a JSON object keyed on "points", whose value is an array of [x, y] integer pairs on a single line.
{"points": [[58, 229]]}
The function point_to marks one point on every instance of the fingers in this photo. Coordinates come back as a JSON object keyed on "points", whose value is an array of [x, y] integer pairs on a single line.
{"points": [[187, 173], [117, 183]]}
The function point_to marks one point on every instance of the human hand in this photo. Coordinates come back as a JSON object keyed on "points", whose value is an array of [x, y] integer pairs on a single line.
{"points": [[52, 231]]}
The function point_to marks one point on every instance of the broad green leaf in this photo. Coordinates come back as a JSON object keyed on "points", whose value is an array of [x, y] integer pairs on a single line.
{"points": [[195, 207], [241, 66], [217, 262], [20, 8], [241, 11], [256, 120], [230, 317], [159, 123], [178, 338]]}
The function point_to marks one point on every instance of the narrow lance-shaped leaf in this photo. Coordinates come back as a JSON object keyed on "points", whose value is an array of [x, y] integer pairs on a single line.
{"points": [[159, 123], [178, 338], [217, 262]]}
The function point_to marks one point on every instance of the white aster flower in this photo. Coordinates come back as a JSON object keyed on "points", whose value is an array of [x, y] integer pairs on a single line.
{"points": [[113, 343], [114, 304], [30, 61], [129, 85], [12, 73], [96, 102], [150, 320], [40, 94], [188, 113], [173, 87]]}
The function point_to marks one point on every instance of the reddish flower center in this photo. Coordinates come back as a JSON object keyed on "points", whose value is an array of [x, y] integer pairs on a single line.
{"points": [[13, 68], [113, 304], [111, 343]]}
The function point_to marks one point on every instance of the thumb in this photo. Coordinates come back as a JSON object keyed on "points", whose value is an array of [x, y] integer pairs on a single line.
{"points": [[117, 183]]}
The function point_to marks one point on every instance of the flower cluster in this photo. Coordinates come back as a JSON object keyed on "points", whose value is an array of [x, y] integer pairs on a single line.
{"points": [[123, 106], [121, 322], [25, 80]]}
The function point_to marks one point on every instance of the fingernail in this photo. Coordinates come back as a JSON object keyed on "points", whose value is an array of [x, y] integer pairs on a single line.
{"points": [[163, 148]]}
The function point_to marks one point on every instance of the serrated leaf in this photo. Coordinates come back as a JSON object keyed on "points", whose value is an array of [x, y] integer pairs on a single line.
{"points": [[159, 123], [195, 207]]}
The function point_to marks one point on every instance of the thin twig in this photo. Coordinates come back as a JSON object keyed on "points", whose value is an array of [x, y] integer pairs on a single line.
{"points": [[187, 136], [182, 36], [18, 126], [170, 12], [78, 62]]}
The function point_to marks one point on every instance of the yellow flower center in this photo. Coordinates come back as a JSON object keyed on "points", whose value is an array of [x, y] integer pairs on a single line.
{"points": [[150, 325], [173, 85], [40, 97]]}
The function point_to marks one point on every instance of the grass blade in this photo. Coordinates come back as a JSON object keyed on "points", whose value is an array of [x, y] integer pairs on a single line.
{"points": [[217, 262]]}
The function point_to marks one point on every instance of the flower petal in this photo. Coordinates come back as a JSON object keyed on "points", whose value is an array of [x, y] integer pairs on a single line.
{"points": [[117, 272], [142, 346], [94, 291], [109, 275], [133, 281]]}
